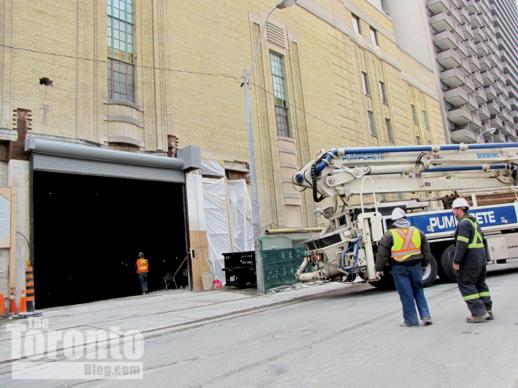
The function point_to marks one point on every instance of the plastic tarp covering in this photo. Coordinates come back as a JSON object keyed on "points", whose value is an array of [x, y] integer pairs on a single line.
{"points": [[228, 220], [216, 218], [212, 168], [241, 210]]}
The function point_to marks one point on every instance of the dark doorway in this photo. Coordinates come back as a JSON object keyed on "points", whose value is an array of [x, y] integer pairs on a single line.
{"points": [[89, 230]]}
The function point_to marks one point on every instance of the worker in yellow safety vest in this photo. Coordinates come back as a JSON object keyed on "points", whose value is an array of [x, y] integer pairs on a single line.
{"points": [[469, 260], [406, 249], [142, 271]]}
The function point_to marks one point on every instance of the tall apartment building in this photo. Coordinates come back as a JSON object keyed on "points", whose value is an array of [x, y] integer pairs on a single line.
{"points": [[459, 38], [87, 79], [505, 18]]}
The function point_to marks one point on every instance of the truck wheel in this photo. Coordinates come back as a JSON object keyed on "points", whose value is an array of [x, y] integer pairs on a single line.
{"points": [[447, 264], [430, 272]]}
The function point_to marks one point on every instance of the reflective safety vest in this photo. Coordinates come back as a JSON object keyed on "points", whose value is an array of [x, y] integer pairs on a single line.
{"points": [[142, 266], [407, 242], [478, 240]]}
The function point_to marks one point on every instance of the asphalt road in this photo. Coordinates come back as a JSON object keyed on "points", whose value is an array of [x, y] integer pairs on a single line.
{"points": [[348, 339]]}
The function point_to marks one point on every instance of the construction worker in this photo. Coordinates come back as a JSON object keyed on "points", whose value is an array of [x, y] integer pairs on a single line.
{"points": [[469, 260], [142, 271], [406, 249]]}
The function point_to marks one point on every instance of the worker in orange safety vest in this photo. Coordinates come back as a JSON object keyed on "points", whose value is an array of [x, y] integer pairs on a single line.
{"points": [[142, 271], [406, 249]]}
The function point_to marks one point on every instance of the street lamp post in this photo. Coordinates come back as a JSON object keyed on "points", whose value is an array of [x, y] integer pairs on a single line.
{"points": [[492, 131], [256, 214]]}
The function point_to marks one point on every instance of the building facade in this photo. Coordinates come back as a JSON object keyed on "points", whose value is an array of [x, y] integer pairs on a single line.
{"points": [[149, 77], [505, 18], [459, 37]]}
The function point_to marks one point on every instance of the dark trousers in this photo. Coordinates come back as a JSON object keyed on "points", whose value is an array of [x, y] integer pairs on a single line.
{"points": [[409, 285], [142, 277], [473, 288]]}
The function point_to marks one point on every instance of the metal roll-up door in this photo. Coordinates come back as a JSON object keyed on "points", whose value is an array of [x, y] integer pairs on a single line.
{"points": [[62, 157], [66, 165]]}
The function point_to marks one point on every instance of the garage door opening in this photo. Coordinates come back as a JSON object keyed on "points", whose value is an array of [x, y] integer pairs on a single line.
{"points": [[88, 231]]}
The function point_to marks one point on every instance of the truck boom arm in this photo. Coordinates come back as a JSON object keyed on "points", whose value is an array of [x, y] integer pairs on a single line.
{"points": [[341, 171]]}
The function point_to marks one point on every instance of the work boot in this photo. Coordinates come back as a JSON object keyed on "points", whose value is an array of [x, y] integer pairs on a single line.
{"points": [[477, 318], [491, 316], [427, 321]]}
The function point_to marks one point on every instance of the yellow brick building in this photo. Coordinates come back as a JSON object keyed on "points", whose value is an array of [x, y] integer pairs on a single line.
{"points": [[188, 57], [141, 75]]}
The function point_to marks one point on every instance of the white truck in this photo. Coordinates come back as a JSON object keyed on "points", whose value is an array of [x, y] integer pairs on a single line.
{"points": [[346, 178]]}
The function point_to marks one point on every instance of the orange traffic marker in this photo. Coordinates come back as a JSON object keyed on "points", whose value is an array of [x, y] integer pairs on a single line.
{"points": [[12, 305], [2, 304], [23, 303]]}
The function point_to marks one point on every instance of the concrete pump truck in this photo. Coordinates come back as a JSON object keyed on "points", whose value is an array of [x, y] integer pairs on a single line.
{"points": [[424, 180]]}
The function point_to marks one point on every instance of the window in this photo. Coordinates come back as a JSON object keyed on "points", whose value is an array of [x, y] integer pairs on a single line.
{"points": [[390, 134], [121, 80], [372, 123], [414, 115], [365, 83], [383, 93], [425, 120], [357, 26], [279, 93], [121, 68], [374, 36]]}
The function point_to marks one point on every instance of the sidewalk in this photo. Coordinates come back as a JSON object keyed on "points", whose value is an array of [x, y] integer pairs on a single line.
{"points": [[167, 310]]}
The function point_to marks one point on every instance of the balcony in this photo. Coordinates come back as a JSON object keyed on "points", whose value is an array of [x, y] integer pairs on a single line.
{"points": [[437, 6], [469, 86], [472, 103], [476, 20], [496, 122], [449, 59], [500, 88], [493, 60], [483, 112], [459, 116], [453, 77], [480, 96], [482, 48], [476, 122], [465, 135], [477, 79], [507, 116], [456, 97], [442, 22], [464, 15], [509, 130], [456, 15], [478, 34], [484, 63], [445, 40], [474, 63], [490, 92], [473, 7], [468, 32], [471, 46], [493, 107], [488, 78]]}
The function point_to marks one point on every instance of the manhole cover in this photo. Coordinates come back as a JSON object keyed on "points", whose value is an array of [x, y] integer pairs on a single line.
{"points": [[292, 334]]}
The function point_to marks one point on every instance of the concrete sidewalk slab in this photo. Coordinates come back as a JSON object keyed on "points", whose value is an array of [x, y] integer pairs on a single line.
{"points": [[165, 311]]}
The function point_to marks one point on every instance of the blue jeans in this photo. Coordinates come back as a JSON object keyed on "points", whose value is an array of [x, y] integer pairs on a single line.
{"points": [[143, 281], [409, 285]]}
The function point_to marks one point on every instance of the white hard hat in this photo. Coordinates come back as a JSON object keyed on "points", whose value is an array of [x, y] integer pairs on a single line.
{"points": [[397, 213], [460, 202]]}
